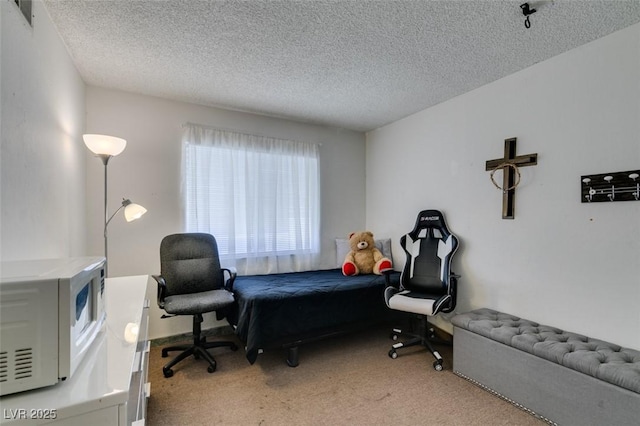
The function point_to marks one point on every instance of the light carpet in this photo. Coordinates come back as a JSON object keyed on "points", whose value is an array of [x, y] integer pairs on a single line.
{"points": [[345, 380]]}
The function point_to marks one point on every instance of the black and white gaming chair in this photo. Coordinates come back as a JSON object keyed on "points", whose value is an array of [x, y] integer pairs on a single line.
{"points": [[427, 285]]}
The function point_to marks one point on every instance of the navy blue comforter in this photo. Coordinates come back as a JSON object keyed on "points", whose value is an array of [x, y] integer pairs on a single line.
{"points": [[279, 309]]}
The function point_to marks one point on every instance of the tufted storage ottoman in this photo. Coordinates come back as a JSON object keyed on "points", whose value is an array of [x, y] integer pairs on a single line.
{"points": [[561, 377]]}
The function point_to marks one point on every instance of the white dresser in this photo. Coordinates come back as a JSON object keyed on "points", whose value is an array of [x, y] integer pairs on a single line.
{"points": [[110, 387]]}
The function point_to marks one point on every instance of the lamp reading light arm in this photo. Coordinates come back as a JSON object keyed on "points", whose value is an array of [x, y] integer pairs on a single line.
{"points": [[125, 203]]}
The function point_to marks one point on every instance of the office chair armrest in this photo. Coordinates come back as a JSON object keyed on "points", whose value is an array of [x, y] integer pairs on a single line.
{"points": [[162, 289], [453, 282], [233, 273], [387, 277], [453, 292]]}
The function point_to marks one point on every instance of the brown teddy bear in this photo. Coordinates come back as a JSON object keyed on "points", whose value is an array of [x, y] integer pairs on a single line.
{"points": [[364, 257]]}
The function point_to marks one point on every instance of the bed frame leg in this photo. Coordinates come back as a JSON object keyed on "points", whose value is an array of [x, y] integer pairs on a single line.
{"points": [[292, 356]]}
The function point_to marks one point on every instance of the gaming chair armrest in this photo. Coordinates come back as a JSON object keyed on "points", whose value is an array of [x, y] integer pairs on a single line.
{"points": [[387, 277], [162, 289], [453, 283], [453, 292], [233, 273]]}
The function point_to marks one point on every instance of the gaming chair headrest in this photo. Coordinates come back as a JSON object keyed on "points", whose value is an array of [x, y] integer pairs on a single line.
{"points": [[430, 219]]}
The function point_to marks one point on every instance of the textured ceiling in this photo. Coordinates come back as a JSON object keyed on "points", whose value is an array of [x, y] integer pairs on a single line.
{"points": [[352, 64]]}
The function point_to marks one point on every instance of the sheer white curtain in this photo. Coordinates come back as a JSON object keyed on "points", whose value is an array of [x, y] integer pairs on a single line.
{"points": [[259, 197]]}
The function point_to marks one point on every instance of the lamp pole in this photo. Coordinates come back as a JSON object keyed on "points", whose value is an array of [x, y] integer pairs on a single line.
{"points": [[105, 160]]}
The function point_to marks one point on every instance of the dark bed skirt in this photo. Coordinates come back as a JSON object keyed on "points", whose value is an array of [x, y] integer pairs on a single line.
{"points": [[288, 310]]}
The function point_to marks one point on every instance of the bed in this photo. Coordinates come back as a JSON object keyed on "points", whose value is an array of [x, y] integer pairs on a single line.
{"points": [[287, 310]]}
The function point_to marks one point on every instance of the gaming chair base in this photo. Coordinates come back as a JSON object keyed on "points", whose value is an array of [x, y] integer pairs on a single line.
{"points": [[425, 338], [197, 349]]}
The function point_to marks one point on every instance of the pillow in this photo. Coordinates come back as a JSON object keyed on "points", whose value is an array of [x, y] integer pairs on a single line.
{"points": [[342, 248], [384, 245]]}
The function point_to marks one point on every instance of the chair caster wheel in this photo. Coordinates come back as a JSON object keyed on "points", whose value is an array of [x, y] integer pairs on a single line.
{"points": [[211, 368], [167, 372], [437, 365], [393, 354], [394, 336], [165, 354]]}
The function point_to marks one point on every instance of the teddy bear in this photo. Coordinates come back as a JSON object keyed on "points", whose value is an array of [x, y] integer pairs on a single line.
{"points": [[364, 257]]}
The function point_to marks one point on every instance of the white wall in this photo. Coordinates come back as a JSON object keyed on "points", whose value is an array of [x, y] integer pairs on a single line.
{"points": [[42, 208], [559, 262], [148, 172]]}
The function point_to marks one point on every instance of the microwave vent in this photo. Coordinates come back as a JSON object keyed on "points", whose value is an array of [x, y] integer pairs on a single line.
{"points": [[22, 365], [3, 366]]}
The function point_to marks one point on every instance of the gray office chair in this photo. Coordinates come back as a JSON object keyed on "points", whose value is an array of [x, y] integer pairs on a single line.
{"points": [[191, 282], [427, 285]]}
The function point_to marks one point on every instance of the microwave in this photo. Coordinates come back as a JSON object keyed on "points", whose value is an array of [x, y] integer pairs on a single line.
{"points": [[51, 312]]}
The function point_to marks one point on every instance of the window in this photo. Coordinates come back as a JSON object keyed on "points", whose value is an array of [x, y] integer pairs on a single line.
{"points": [[258, 196]]}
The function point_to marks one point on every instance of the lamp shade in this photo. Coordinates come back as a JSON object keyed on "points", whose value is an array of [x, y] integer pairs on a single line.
{"points": [[133, 211], [104, 145]]}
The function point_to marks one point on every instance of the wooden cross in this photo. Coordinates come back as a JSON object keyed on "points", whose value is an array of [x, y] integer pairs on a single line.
{"points": [[508, 174]]}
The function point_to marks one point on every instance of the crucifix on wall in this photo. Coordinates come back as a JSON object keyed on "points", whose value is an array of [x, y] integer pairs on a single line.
{"points": [[510, 164]]}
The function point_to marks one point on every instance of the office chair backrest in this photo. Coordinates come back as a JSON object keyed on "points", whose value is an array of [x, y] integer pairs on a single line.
{"points": [[429, 249], [189, 263]]}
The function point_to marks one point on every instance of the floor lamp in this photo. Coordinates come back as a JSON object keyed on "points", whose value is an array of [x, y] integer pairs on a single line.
{"points": [[105, 147]]}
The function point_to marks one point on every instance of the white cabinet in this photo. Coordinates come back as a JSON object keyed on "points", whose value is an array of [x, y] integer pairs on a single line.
{"points": [[139, 387], [110, 387]]}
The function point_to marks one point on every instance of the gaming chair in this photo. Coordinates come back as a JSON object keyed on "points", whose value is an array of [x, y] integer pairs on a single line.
{"points": [[427, 285]]}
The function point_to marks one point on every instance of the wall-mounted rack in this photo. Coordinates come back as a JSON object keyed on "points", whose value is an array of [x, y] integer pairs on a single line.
{"points": [[618, 186]]}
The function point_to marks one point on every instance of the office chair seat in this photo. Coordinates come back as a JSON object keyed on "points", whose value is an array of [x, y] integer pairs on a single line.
{"points": [[417, 303], [197, 303]]}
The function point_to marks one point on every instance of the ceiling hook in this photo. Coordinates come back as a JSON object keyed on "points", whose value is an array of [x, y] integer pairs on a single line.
{"points": [[526, 11]]}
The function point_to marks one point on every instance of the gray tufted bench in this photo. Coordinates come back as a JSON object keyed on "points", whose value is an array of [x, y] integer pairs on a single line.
{"points": [[557, 375]]}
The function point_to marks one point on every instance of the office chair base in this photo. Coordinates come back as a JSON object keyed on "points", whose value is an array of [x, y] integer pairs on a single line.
{"points": [[198, 349], [424, 340]]}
